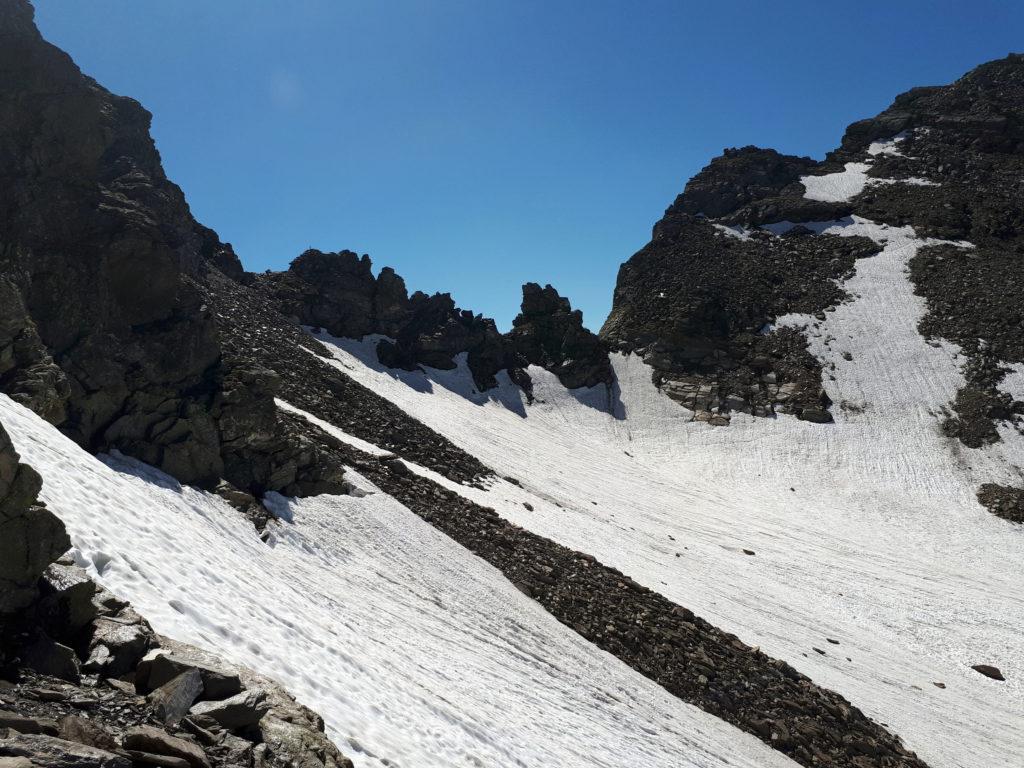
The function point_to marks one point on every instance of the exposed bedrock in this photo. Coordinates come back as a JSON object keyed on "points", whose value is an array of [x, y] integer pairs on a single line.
{"points": [[31, 537], [103, 328], [690, 299], [339, 293]]}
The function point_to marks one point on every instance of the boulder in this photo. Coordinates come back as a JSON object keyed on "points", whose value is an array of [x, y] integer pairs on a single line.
{"points": [[161, 761], [51, 658], [66, 605], [145, 738], [117, 645], [246, 708], [24, 724], [172, 700], [296, 744], [86, 731], [31, 537], [989, 671], [52, 752], [160, 666]]}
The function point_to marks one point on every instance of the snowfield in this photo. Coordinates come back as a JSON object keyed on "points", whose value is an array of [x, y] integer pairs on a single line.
{"points": [[414, 651], [866, 531]]}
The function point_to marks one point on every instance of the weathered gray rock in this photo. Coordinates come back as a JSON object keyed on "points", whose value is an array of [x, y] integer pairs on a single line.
{"points": [[52, 752], [66, 606], [161, 666], [247, 708], [172, 700], [117, 645], [145, 738], [87, 731], [296, 744], [160, 761], [24, 724]]}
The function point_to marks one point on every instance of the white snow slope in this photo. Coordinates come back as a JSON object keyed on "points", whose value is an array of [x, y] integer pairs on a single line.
{"points": [[417, 653], [866, 531]]}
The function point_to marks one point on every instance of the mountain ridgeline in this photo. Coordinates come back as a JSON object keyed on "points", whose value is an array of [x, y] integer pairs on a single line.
{"points": [[132, 328]]}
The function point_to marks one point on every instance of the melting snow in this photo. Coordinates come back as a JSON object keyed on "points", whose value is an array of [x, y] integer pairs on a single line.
{"points": [[866, 531], [413, 650]]}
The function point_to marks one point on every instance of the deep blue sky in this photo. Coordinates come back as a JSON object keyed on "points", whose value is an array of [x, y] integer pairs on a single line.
{"points": [[475, 145]]}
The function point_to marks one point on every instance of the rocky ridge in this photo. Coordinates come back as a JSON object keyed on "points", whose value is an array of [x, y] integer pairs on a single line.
{"points": [[338, 292]]}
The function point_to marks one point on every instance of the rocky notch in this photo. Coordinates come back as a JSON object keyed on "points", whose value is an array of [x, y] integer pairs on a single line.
{"points": [[338, 292]]}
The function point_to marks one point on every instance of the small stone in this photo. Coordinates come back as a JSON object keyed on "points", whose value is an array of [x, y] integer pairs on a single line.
{"points": [[749, 552], [989, 671]]}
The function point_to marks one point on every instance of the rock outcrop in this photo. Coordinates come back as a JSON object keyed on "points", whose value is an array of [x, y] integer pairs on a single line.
{"points": [[549, 333], [698, 304], [338, 293], [31, 537], [698, 301], [104, 329]]}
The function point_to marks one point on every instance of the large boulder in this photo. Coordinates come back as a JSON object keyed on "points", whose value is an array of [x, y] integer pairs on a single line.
{"points": [[162, 666], [31, 537], [245, 709], [145, 738]]}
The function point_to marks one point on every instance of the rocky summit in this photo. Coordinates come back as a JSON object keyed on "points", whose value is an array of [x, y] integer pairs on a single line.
{"points": [[770, 514]]}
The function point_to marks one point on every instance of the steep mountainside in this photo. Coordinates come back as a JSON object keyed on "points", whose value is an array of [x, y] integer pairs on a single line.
{"points": [[739, 526]]}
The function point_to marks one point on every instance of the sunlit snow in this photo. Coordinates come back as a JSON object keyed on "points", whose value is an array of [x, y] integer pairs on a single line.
{"points": [[414, 651]]}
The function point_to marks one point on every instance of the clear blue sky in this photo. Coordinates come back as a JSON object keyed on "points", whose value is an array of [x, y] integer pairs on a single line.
{"points": [[475, 145]]}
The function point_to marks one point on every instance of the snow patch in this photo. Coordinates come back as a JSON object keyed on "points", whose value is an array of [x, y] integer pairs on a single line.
{"points": [[414, 651]]}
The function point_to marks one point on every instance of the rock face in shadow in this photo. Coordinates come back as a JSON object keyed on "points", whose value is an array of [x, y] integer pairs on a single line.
{"points": [[100, 245], [31, 537], [548, 332], [338, 292], [104, 329]]}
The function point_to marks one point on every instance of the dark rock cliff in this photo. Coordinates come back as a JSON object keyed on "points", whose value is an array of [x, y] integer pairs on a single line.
{"points": [[103, 328]]}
